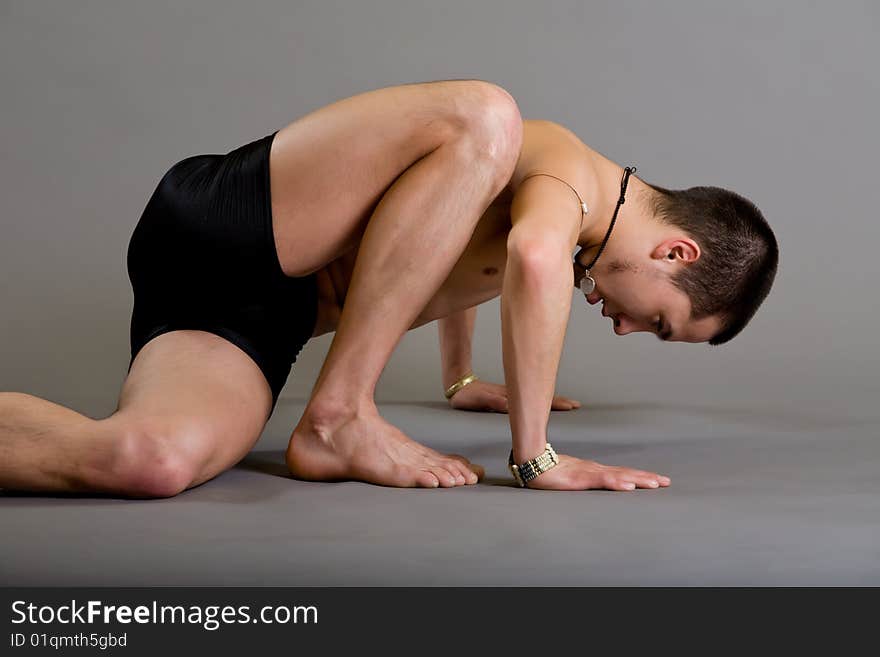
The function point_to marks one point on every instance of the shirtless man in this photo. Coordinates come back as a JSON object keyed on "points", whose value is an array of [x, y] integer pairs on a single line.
{"points": [[387, 210]]}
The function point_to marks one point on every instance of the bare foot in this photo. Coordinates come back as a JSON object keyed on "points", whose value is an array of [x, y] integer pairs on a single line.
{"points": [[365, 447]]}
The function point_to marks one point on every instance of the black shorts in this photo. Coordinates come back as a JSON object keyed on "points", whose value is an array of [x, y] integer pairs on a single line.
{"points": [[203, 257]]}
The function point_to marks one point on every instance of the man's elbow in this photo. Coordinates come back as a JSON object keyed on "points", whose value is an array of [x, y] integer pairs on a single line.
{"points": [[536, 252]]}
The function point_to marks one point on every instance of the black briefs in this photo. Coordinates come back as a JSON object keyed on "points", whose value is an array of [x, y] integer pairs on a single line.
{"points": [[203, 257]]}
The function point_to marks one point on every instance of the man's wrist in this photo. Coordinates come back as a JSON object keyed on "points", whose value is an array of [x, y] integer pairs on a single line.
{"points": [[529, 469], [450, 391], [524, 451], [453, 374]]}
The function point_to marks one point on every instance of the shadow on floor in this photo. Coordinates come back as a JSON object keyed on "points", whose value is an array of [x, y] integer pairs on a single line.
{"points": [[270, 462], [779, 418]]}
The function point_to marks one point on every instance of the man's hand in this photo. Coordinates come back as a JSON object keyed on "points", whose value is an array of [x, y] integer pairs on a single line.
{"points": [[577, 474], [484, 396]]}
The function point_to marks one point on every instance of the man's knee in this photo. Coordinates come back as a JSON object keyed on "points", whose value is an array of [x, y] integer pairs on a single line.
{"points": [[491, 122], [148, 462]]}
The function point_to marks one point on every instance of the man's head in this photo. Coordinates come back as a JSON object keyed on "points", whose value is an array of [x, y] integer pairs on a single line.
{"points": [[699, 260]]}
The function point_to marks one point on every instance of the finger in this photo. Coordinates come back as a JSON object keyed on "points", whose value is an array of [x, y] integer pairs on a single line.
{"points": [[651, 476], [616, 481], [640, 479], [641, 476]]}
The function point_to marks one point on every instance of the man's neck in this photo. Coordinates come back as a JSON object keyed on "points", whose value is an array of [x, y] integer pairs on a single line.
{"points": [[632, 213]]}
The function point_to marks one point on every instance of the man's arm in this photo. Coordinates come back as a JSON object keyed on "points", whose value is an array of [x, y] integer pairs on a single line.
{"points": [[536, 300], [546, 219], [456, 337], [535, 305], [456, 334]]}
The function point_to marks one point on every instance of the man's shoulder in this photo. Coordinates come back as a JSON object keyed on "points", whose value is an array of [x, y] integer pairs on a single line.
{"points": [[542, 208], [549, 129], [549, 147]]}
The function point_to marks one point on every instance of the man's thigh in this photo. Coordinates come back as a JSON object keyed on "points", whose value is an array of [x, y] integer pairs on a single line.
{"points": [[330, 168], [201, 394]]}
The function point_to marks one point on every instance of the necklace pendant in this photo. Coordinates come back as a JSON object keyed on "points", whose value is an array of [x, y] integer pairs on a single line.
{"points": [[587, 284]]}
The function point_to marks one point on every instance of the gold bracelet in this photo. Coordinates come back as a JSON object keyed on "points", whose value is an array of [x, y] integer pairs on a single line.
{"points": [[458, 385]]}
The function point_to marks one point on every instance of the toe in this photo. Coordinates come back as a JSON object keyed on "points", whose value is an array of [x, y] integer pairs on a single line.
{"points": [[459, 470], [426, 479], [404, 476], [475, 473], [470, 471], [444, 476]]}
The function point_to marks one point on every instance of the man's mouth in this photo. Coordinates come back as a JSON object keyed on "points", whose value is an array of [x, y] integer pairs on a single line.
{"points": [[594, 298]]}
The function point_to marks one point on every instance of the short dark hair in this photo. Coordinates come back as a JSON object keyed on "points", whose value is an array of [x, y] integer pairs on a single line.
{"points": [[739, 254]]}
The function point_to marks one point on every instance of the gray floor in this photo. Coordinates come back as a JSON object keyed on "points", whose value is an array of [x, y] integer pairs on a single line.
{"points": [[757, 499]]}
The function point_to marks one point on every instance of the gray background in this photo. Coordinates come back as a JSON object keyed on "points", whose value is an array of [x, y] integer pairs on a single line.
{"points": [[776, 100]]}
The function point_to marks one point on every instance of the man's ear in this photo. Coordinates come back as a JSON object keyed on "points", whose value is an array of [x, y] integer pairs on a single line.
{"points": [[682, 249]]}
